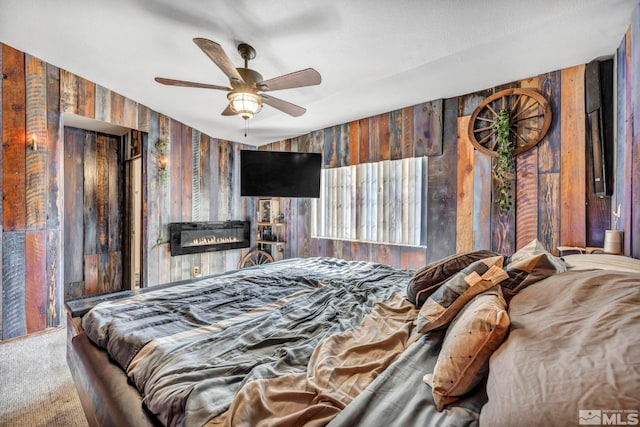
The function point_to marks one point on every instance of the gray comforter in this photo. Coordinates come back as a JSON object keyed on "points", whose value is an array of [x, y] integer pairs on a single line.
{"points": [[191, 348]]}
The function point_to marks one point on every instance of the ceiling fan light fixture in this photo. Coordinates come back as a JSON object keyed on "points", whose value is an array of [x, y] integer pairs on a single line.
{"points": [[245, 104]]}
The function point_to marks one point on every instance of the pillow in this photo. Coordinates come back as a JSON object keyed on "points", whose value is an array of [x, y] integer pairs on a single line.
{"points": [[475, 333], [429, 278], [449, 298], [529, 265], [601, 262]]}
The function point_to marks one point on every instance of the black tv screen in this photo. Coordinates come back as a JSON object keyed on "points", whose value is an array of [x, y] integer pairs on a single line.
{"points": [[280, 174]]}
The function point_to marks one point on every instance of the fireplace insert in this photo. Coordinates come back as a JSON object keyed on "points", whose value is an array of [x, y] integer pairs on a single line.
{"points": [[196, 237]]}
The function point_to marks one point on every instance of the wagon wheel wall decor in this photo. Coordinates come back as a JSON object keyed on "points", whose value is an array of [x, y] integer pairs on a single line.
{"points": [[529, 120]]}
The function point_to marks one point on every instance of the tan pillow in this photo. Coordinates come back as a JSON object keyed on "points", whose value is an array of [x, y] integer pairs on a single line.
{"points": [[442, 306], [473, 336]]}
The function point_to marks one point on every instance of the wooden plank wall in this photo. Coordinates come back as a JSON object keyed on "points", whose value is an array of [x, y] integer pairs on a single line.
{"points": [[627, 184], [33, 97], [550, 192], [30, 241]]}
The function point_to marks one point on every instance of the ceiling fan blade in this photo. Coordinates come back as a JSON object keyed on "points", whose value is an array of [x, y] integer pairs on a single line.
{"points": [[215, 52], [284, 106], [228, 111], [172, 82], [306, 77]]}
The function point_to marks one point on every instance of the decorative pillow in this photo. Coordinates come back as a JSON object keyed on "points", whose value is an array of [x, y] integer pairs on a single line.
{"points": [[429, 278], [529, 265], [449, 298], [473, 336]]}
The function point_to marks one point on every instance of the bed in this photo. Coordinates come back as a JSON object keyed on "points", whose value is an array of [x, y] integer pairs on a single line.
{"points": [[474, 339]]}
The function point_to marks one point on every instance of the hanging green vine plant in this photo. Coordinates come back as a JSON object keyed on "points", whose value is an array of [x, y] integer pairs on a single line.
{"points": [[504, 168]]}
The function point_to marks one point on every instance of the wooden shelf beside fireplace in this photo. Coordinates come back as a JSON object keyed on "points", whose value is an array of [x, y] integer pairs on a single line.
{"points": [[270, 228]]}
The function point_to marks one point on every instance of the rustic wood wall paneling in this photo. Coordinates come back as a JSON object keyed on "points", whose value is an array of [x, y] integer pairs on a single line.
{"points": [[101, 192], [144, 118], [13, 286], [86, 98], [117, 109], [354, 142], [35, 280], [469, 102], [407, 132], [634, 231], [442, 189], [628, 207], [549, 165], [394, 128], [374, 139], [13, 140], [186, 157], [175, 170], [427, 128], [302, 220], [115, 209], [204, 192], [164, 252], [464, 202], [623, 157], [363, 141], [103, 104], [73, 209], [150, 200], [482, 200], [382, 130], [175, 179], [330, 155], [130, 114], [196, 194], [90, 210], [53, 149], [572, 158], [91, 267], [36, 149], [55, 288], [526, 189], [233, 257], [68, 92]]}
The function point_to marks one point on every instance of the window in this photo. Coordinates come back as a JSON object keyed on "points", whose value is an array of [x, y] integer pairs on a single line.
{"points": [[373, 202]]}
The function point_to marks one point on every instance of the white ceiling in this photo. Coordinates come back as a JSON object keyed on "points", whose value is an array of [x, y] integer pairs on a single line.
{"points": [[374, 56]]}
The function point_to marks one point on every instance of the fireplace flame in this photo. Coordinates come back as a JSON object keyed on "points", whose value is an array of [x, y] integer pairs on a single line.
{"points": [[211, 240]]}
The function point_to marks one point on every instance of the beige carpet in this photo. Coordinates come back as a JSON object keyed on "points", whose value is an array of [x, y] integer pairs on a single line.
{"points": [[36, 388]]}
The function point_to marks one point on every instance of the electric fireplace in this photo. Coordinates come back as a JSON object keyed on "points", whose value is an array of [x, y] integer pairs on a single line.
{"points": [[196, 237]]}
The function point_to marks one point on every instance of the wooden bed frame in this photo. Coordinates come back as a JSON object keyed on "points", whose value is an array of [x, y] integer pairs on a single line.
{"points": [[107, 397]]}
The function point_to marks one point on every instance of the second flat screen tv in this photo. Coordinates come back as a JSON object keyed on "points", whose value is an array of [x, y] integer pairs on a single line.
{"points": [[280, 174]]}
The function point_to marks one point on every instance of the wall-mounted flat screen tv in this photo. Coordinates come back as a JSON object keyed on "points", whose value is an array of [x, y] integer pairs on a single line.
{"points": [[280, 174]]}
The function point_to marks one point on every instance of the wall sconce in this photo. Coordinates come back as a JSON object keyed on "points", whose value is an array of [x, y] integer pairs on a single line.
{"points": [[163, 161], [33, 143]]}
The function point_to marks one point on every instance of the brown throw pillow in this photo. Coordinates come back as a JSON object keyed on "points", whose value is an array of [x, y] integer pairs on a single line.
{"points": [[473, 336], [429, 278], [441, 307]]}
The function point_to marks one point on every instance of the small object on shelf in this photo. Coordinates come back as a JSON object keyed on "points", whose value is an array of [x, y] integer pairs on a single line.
{"points": [[270, 228]]}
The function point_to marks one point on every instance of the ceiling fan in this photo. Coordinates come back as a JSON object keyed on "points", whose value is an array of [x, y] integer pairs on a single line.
{"points": [[246, 94]]}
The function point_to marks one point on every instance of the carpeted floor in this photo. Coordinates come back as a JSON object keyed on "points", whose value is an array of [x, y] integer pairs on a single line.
{"points": [[36, 388]]}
